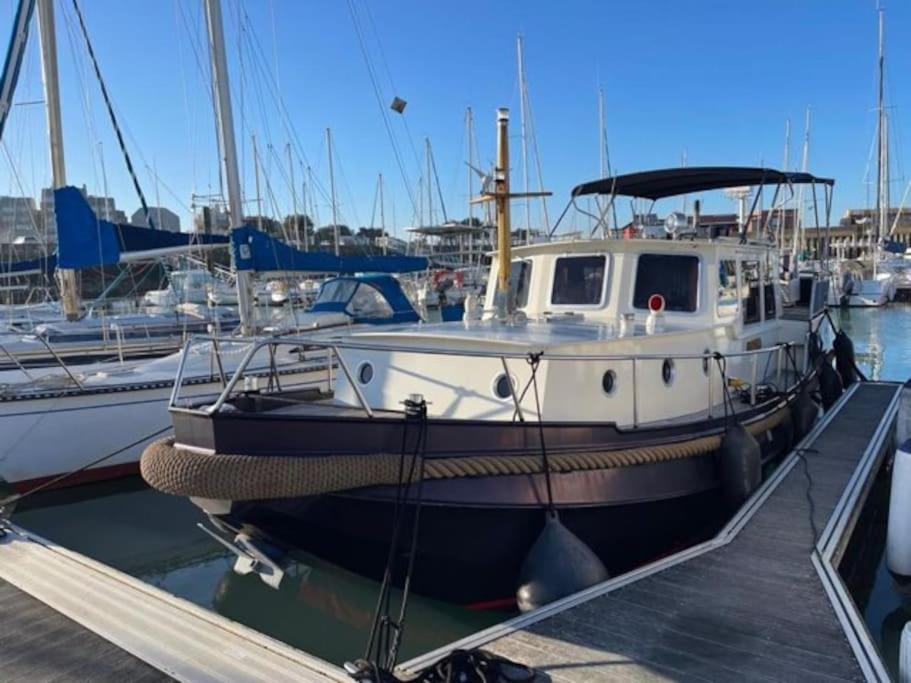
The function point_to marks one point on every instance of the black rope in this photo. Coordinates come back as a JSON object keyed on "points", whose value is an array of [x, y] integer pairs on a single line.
{"points": [[722, 363], [12, 500], [385, 633], [808, 493], [534, 360], [110, 108]]}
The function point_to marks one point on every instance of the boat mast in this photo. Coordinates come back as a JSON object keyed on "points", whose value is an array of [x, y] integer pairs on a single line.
{"points": [[225, 122], [804, 164], [520, 56], [383, 218], [787, 163], [469, 134], [504, 233], [66, 277], [294, 216], [259, 201], [427, 160], [882, 170], [335, 232]]}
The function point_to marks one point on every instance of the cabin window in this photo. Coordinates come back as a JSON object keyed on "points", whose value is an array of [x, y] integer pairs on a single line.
{"points": [[520, 283], [336, 291], [768, 290], [367, 302], [727, 288], [675, 277], [749, 291], [578, 280]]}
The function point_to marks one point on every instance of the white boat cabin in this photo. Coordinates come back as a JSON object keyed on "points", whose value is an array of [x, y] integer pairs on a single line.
{"points": [[606, 356]]}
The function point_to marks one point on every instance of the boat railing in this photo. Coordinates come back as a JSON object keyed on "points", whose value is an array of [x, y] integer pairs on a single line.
{"points": [[778, 362]]}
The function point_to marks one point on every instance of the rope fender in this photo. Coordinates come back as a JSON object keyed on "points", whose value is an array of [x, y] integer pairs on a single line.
{"points": [[244, 477]]}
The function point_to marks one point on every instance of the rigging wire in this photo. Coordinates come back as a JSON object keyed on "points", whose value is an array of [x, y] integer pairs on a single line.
{"points": [[381, 104], [110, 108]]}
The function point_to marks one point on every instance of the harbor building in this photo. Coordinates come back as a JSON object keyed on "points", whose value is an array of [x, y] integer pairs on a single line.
{"points": [[164, 218]]}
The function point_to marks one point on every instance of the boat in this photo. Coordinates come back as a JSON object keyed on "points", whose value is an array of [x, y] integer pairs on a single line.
{"points": [[626, 361]]}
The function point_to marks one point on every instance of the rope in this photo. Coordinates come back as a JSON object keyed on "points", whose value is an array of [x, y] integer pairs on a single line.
{"points": [[534, 360], [110, 108], [245, 477], [386, 634]]}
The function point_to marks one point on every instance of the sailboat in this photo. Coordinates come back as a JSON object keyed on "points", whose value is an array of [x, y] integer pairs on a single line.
{"points": [[875, 284], [44, 411]]}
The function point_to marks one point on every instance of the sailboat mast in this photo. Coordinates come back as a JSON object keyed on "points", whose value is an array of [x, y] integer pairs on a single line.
{"points": [[882, 171], [335, 231], [294, 214], [427, 159], [259, 200], [520, 56], [69, 293], [804, 164], [225, 123], [787, 162], [501, 197], [469, 125], [383, 217]]}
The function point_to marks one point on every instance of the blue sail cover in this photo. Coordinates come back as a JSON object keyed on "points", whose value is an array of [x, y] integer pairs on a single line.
{"points": [[35, 266], [257, 251], [894, 247], [86, 241]]}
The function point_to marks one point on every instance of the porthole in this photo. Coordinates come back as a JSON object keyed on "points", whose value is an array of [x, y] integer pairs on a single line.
{"points": [[609, 382], [667, 371], [502, 387], [706, 361], [365, 373]]}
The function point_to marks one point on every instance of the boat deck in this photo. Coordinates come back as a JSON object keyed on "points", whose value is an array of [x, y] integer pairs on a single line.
{"points": [[38, 643], [757, 603]]}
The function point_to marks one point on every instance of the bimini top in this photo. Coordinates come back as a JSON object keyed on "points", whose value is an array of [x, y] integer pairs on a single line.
{"points": [[669, 182]]}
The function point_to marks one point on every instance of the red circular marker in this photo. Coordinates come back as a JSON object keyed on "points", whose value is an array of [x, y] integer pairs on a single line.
{"points": [[656, 303]]}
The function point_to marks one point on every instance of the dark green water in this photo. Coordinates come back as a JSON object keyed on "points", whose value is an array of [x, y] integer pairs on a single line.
{"points": [[319, 608]]}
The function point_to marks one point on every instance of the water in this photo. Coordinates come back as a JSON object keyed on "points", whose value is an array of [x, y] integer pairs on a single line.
{"points": [[319, 608], [881, 342]]}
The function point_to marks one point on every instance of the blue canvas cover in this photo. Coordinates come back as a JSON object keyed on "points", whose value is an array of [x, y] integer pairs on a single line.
{"points": [[31, 267], [86, 241], [254, 250], [386, 285]]}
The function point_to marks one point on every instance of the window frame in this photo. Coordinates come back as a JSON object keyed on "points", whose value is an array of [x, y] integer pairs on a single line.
{"points": [[737, 303], [700, 281], [741, 283], [602, 302]]}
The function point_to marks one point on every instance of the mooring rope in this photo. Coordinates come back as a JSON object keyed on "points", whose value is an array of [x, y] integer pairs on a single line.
{"points": [[534, 360]]}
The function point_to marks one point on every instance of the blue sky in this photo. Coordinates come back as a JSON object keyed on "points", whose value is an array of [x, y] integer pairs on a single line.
{"points": [[713, 80]]}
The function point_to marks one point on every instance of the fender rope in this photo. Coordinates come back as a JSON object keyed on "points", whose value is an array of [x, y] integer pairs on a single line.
{"points": [[244, 477]]}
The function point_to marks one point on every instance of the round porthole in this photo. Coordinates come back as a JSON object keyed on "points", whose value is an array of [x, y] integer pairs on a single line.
{"points": [[502, 387], [667, 371], [706, 361], [609, 382], [365, 373]]}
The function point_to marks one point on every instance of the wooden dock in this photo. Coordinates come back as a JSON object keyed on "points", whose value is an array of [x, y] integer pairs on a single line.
{"points": [[38, 643], [759, 602], [66, 617]]}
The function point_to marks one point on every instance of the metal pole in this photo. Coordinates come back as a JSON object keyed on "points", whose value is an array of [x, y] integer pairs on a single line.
{"points": [[383, 219], [469, 124], [66, 277], [429, 182], [259, 202], [882, 176], [504, 236], [225, 121], [297, 228], [522, 125], [335, 231]]}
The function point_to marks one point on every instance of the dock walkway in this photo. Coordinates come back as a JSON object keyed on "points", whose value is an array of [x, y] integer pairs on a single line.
{"points": [[753, 605], [38, 643]]}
